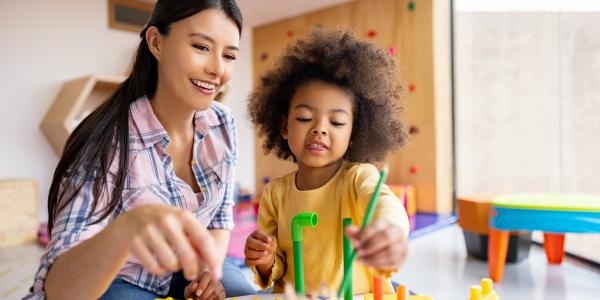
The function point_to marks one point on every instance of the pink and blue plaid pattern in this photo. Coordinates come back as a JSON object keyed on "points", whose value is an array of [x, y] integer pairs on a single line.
{"points": [[152, 180]]}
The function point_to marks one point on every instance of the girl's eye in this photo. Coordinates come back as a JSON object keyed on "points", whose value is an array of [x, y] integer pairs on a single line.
{"points": [[201, 47], [303, 120], [338, 124]]}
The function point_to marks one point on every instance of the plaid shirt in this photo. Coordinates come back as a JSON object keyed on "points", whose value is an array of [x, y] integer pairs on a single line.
{"points": [[151, 179]]}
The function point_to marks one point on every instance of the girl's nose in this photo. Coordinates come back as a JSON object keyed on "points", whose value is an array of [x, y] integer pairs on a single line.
{"points": [[319, 131]]}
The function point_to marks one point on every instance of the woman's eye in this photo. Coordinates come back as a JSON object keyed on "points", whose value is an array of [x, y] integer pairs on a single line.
{"points": [[201, 47], [230, 57], [303, 120]]}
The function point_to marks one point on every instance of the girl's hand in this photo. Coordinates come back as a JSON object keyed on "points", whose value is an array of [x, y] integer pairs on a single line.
{"points": [[260, 249], [380, 245], [167, 239], [205, 288]]}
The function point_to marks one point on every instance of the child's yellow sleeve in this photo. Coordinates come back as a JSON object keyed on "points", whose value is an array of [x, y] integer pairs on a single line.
{"points": [[267, 221], [389, 207]]}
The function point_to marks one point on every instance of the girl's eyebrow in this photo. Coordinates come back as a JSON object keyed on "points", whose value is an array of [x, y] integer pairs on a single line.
{"points": [[335, 110], [208, 38]]}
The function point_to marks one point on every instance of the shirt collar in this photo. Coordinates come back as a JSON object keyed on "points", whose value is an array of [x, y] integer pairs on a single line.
{"points": [[146, 130]]}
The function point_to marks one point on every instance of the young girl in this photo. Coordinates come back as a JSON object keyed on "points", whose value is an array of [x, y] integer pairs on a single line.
{"points": [[331, 105], [144, 186]]}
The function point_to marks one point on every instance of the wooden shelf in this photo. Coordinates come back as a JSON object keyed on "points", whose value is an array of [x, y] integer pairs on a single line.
{"points": [[76, 100]]}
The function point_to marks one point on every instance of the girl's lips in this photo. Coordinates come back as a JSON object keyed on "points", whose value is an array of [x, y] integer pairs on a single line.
{"points": [[316, 148]]}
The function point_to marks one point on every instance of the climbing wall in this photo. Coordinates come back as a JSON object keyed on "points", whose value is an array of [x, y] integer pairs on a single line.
{"points": [[409, 31]]}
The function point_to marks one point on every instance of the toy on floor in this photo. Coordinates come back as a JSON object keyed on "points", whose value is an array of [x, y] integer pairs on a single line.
{"points": [[401, 292], [483, 292]]}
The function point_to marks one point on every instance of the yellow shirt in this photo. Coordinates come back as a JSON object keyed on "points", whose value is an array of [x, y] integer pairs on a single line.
{"points": [[345, 195]]}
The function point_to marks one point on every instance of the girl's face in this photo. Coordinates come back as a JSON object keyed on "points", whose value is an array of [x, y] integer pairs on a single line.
{"points": [[196, 57], [319, 124]]}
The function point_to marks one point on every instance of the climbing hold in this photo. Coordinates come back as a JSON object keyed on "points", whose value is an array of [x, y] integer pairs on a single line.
{"points": [[413, 169], [392, 51], [412, 87], [413, 130], [411, 5]]}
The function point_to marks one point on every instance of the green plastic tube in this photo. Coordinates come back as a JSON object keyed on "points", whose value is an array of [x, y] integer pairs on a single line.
{"points": [[304, 219]]}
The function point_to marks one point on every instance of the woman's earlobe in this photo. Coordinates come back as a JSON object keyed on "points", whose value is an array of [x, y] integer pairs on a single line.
{"points": [[153, 41]]}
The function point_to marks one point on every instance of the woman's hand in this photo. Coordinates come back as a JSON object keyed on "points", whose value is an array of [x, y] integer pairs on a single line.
{"points": [[381, 245], [205, 288], [167, 239]]}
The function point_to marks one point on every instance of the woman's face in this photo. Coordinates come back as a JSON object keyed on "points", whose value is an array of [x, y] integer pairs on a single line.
{"points": [[196, 58]]}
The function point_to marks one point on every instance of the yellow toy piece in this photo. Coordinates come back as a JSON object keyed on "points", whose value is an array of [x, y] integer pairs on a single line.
{"points": [[484, 292], [370, 296]]}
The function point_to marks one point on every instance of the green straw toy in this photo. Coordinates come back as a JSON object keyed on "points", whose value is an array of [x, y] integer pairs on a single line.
{"points": [[304, 219], [346, 281]]}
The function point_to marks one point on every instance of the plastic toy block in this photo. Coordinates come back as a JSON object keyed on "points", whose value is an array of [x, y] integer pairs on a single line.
{"points": [[401, 292], [419, 297], [377, 288], [372, 33], [483, 292], [407, 195], [412, 87], [371, 296]]}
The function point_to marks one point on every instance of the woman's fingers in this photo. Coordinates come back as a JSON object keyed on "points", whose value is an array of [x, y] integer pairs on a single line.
{"points": [[187, 257], [203, 243], [161, 249], [143, 254]]}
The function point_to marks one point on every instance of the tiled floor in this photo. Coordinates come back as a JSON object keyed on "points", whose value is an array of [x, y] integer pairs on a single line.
{"points": [[437, 266]]}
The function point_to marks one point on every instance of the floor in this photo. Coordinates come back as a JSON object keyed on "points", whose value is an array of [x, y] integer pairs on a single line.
{"points": [[437, 266]]}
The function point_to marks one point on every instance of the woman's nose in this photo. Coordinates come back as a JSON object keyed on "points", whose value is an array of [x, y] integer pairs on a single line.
{"points": [[214, 66]]}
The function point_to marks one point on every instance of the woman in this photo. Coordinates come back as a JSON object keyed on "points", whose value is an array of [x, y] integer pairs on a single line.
{"points": [[144, 186]]}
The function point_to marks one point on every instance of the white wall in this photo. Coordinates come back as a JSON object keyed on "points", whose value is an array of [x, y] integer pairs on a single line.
{"points": [[45, 43], [240, 87]]}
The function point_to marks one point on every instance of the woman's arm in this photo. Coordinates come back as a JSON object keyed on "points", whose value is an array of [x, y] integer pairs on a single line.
{"points": [[86, 270], [221, 237], [153, 233]]}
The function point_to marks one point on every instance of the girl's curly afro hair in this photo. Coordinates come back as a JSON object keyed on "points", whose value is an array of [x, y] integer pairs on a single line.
{"points": [[367, 72]]}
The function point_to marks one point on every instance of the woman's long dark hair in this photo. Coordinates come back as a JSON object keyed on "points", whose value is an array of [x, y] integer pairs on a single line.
{"points": [[104, 134]]}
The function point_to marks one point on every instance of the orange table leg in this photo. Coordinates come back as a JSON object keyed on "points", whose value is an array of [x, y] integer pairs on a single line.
{"points": [[497, 248], [377, 288], [554, 245]]}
